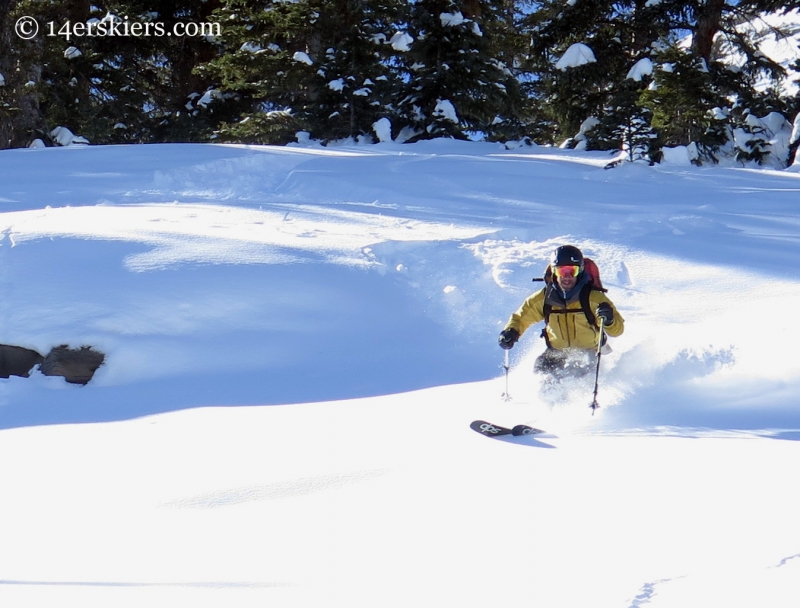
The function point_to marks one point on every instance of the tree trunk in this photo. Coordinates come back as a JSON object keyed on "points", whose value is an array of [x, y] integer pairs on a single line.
{"points": [[708, 22]]}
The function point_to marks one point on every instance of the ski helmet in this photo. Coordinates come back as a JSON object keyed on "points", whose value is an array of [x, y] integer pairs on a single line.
{"points": [[567, 255]]}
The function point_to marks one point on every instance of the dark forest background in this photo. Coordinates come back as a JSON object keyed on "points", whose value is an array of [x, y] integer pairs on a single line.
{"points": [[468, 69]]}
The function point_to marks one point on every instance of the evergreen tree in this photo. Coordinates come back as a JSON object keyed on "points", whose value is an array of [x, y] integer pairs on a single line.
{"points": [[77, 74], [454, 68], [683, 102], [165, 67], [257, 73], [621, 33], [122, 83], [316, 65], [354, 82], [626, 125], [21, 119], [617, 34], [144, 86], [456, 84], [508, 45]]}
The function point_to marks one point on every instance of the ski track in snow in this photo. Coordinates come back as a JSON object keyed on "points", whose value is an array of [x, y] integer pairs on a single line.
{"points": [[273, 491], [785, 560], [120, 584], [646, 593]]}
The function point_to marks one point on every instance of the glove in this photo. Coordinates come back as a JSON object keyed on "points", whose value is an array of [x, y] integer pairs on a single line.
{"points": [[508, 337], [605, 312]]}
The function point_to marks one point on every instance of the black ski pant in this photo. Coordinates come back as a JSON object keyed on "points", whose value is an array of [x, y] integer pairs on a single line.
{"points": [[563, 363]]}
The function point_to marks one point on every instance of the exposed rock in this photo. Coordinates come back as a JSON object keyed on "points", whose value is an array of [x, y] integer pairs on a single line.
{"points": [[76, 365], [17, 361]]}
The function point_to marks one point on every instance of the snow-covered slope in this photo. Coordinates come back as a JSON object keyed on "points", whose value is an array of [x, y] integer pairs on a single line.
{"points": [[348, 300]]}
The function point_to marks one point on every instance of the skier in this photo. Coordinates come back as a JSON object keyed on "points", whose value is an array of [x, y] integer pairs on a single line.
{"points": [[572, 306]]}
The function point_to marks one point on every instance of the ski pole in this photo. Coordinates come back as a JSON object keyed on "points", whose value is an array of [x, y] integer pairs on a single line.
{"points": [[594, 405], [505, 395]]}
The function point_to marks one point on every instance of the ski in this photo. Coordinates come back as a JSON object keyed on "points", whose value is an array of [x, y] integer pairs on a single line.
{"points": [[494, 430]]}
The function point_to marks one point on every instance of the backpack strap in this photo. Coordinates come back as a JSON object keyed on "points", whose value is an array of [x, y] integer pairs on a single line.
{"points": [[586, 307], [547, 309]]}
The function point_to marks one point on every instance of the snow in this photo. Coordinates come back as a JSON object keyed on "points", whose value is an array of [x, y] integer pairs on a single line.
{"points": [[642, 68], [586, 126], [302, 57], [64, 137], [251, 47], [401, 41], [336, 85], [680, 155], [451, 19], [383, 129], [206, 98], [795, 136], [446, 110], [72, 53], [297, 339], [773, 123], [576, 55]]}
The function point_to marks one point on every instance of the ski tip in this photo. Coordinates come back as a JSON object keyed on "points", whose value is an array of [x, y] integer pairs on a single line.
{"points": [[489, 429]]}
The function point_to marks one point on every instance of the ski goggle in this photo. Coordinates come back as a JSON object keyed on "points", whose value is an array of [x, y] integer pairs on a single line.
{"points": [[567, 271]]}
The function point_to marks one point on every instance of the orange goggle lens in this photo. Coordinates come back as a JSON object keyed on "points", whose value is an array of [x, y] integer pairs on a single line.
{"points": [[567, 271]]}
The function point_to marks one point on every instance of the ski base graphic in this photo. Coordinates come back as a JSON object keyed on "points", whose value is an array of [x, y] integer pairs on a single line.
{"points": [[495, 430]]}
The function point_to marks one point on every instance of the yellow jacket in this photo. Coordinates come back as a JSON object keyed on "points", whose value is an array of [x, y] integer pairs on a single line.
{"points": [[567, 325]]}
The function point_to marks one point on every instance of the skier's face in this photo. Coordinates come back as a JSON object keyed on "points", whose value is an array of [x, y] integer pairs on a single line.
{"points": [[567, 276], [567, 282]]}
